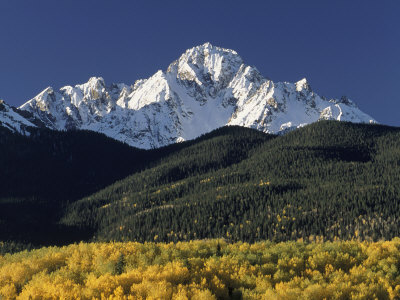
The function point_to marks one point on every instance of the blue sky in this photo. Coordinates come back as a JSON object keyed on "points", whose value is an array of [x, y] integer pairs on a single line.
{"points": [[347, 48]]}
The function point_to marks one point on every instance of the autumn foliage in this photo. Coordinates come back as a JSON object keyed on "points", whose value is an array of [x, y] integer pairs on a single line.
{"points": [[210, 269]]}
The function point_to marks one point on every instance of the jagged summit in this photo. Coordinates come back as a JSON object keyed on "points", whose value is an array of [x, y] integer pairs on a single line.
{"points": [[205, 88], [303, 84], [208, 47]]}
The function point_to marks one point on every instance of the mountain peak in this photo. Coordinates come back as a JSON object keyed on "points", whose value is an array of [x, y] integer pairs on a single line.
{"points": [[94, 88], [96, 82], [205, 88], [206, 45], [303, 85], [206, 67], [207, 49]]}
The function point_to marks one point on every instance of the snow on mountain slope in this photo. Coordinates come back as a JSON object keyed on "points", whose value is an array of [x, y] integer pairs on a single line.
{"points": [[206, 88], [12, 119]]}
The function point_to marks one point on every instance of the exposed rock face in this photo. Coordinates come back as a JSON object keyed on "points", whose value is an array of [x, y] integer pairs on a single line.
{"points": [[206, 88]]}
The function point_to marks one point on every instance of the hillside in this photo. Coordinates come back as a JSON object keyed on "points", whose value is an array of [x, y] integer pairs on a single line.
{"points": [[42, 172], [48, 170], [327, 180]]}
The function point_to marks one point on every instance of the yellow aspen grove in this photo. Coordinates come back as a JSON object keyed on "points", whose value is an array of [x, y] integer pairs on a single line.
{"points": [[205, 269]]}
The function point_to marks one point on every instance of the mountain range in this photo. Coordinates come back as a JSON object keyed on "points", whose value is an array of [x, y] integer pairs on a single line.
{"points": [[206, 88]]}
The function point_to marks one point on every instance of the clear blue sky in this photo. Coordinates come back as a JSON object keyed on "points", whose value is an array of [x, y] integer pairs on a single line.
{"points": [[347, 47]]}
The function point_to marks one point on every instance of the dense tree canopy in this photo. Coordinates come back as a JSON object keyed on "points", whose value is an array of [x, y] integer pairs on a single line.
{"points": [[208, 269], [328, 180]]}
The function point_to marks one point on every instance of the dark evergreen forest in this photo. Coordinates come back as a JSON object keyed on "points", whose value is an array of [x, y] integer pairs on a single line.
{"points": [[41, 174], [329, 180]]}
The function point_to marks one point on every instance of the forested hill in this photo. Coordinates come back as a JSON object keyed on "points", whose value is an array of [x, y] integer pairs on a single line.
{"points": [[327, 180], [41, 174]]}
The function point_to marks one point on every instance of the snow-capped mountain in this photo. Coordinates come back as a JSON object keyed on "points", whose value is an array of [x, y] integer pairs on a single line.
{"points": [[12, 119], [206, 88]]}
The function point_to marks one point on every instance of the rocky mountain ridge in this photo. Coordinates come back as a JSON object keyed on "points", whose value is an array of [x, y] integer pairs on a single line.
{"points": [[206, 88], [14, 119]]}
